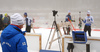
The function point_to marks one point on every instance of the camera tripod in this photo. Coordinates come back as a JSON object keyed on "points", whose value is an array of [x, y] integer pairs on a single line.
{"points": [[56, 29]]}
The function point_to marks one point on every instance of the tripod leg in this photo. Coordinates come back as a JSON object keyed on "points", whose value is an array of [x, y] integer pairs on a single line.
{"points": [[57, 37], [49, 36], [33, 28], [59, 40], [59, 30], [60, 34], [52, 39]]}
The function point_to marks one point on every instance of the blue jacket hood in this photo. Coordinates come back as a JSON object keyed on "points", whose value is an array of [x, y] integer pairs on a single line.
{"points": [[10, 31], [13, 40]]}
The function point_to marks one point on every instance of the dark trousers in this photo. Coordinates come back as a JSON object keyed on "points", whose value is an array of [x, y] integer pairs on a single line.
{"points": [[68, 30], [28, 28], [70, 47], [87, 28], [70, 50]]}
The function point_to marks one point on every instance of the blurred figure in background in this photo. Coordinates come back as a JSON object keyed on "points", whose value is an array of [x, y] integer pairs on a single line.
{"points": [[1, 25], [68, 17], [1, 16], [88, 21], [28, 22], [1, 22], [6, 20]]}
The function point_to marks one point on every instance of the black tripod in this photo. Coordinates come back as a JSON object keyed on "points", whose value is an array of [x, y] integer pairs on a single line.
{"points": [[56, 28]]}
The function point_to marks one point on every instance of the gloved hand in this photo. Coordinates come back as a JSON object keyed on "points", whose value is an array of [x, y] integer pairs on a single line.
{"points": [[73, 20], [24, 33]]}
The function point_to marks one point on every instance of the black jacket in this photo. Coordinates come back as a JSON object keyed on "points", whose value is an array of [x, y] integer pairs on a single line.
{"points": [[1, 23]]}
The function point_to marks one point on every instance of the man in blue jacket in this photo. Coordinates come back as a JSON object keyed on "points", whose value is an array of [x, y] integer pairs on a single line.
{"points": [[12, 38], [68, 27], [88, 21], [68, 17]]}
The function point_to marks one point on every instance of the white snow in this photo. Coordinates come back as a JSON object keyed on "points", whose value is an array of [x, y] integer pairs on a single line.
{"points": [[0, 48], [45, 34]]}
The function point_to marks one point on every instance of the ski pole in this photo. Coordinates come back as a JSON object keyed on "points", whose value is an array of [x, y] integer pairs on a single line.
{"points": [[71, 24]]}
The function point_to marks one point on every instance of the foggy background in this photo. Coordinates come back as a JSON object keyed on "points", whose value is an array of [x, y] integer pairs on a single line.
{"points": [[41, 10]]}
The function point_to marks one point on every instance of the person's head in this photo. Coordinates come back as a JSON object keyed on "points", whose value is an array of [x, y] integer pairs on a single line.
{"points": [[17, 19], [1, 15], [25, 14], [88, 13], [6, 15], [69, 12]]}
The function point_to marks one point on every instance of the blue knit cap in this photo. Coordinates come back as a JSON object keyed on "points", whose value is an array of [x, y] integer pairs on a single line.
{"points": [[25, 13]]}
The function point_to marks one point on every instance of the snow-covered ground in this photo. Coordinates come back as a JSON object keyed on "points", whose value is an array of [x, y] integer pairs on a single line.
{"points": [[45, 33]]}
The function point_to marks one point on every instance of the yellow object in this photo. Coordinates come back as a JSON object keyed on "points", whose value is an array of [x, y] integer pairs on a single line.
{"points": [[3, 18], [6, 14]]}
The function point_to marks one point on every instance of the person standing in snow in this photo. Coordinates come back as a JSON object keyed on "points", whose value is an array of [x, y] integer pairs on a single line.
{"points": [[28, 22], [68, 17], [12, 38], [88, 21]]}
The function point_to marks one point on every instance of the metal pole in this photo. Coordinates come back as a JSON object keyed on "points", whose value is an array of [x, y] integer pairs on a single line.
{"points": [[49, 36], [87, 47]]}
